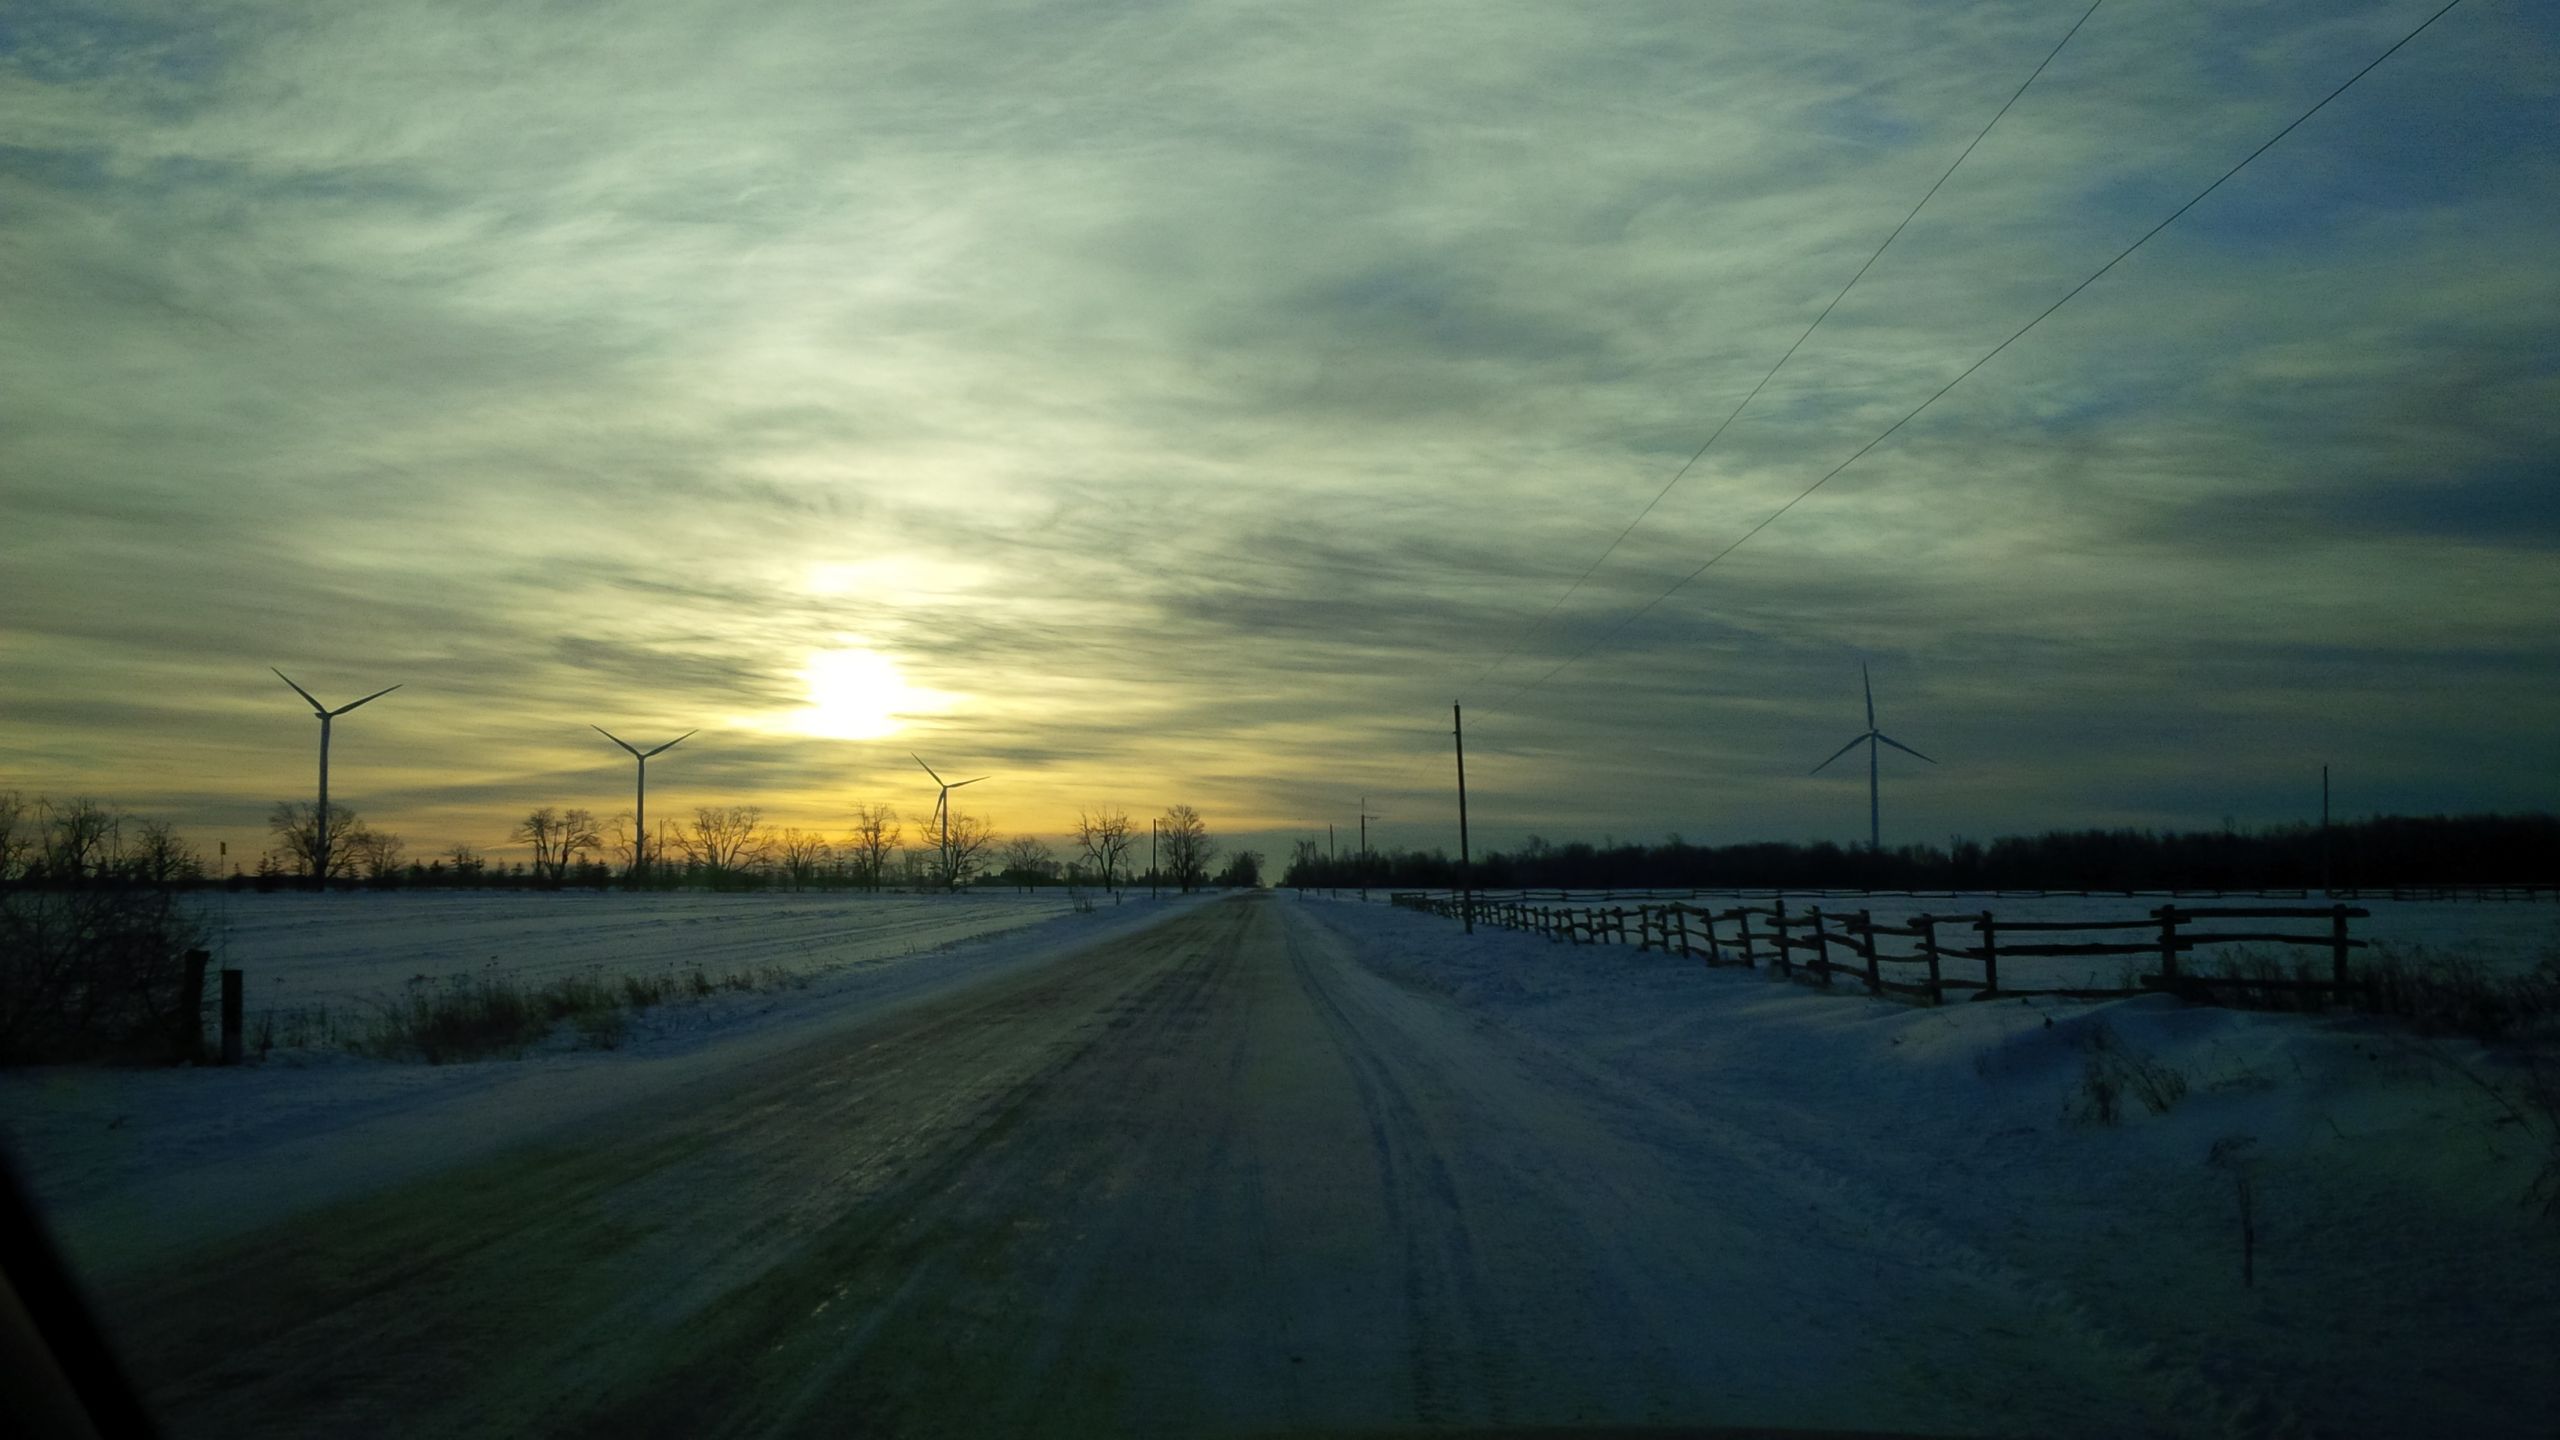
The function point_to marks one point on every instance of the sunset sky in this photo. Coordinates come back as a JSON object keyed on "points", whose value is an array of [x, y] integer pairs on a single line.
{"points": [[1145, 403]]}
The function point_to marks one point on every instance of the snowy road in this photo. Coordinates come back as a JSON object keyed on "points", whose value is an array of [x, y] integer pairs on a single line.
{"points": [[1215, 1177]]}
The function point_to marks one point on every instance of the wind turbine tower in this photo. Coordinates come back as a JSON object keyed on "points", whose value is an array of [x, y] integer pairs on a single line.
{"points": [[942, 811], [640, 801], [320, 821], [1871, 739]]}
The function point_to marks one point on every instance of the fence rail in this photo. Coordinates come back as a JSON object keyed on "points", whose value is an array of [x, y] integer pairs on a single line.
{"points": [[1824, 946]]}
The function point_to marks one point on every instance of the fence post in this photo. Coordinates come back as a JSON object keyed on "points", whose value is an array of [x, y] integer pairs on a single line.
{"points": [[2168, 943], [1742, 918], [1867, 932], [2338, 949], [1821, 949], [1929, 946], [189, 1021], [1990, 954], [230, 1017], [1782, 961], [1681, 914]]}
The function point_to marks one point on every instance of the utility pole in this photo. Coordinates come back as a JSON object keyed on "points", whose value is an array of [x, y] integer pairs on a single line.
{"points": [[1466, 869], [1151, 858], [2326, 887], [1365, 818], [1333, 888]]}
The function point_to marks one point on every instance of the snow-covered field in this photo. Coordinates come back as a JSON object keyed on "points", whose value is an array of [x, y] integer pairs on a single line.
{"points": [[2503, 937], [130, 1163], [351, 951]]}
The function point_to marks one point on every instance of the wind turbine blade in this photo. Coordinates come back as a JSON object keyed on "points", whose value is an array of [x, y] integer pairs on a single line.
{"points": [[1905, 749], [1870, 686], [670, 745], [956, 784], [616, 739], [1843, 750], [316, 706], [927, 768], [369, 699]]}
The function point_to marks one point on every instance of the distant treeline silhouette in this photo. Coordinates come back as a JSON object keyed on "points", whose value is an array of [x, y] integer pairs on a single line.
{"points": [[2381, 852]]}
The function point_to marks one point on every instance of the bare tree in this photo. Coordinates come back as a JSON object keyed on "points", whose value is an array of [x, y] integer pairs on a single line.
{"points": [[803, 853], [726, 839], [1028, 861], [1185, 845], [17, 835], [579, 835], [965, 842], [542, 830], [83, 840], [621, 843], [1103, 836], [874, 839], [373, 853], [161, 857], [294, 823]]}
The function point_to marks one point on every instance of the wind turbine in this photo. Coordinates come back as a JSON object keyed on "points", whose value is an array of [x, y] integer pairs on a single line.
{"points": [[942, 811], [320, 821], [640, 801], [1874, 736]]}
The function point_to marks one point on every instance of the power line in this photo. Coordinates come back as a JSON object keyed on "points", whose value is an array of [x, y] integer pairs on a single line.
{"points": [[1614, 631], [1682, 473]]}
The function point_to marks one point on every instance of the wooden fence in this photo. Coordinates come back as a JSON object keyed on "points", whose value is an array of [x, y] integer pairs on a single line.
{"points": [[1932, 955], [2340, 894]]}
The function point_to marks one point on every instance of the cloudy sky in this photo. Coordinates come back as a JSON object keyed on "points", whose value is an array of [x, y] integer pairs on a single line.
{"points": [[1190, 400]]}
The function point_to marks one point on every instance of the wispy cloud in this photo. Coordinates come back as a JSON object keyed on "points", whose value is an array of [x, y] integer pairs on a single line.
{"points": [[1200, 396]]}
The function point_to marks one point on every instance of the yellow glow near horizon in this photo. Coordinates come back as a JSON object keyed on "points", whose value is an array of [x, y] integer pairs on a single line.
{"points": [[859, 695]]}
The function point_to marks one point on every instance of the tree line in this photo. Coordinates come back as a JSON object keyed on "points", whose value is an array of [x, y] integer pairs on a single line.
{"points": [[81, 843], [2376, 853]]}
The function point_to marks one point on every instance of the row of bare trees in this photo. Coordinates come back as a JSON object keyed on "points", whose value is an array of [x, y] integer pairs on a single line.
{"points": [[93, 933], [80, 841], [733, 841]]}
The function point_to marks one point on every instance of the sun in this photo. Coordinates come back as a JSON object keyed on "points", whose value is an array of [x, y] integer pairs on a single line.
{"points": [[857, 695]]}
